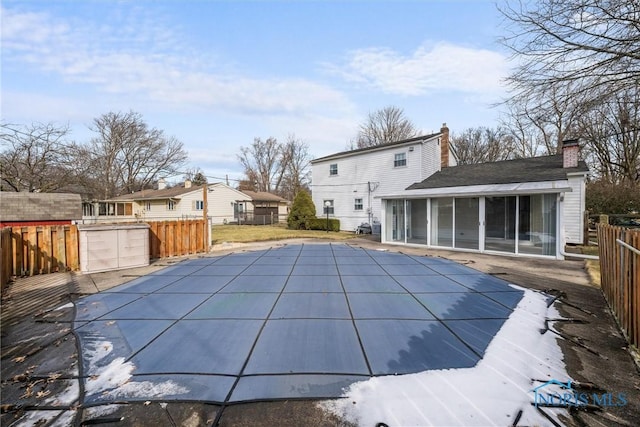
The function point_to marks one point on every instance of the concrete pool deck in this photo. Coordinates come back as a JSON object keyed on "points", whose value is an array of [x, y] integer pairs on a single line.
{"points": [[530, 273]]}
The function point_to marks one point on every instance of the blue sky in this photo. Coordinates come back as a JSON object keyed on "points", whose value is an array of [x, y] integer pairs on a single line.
{"points": [[217, 74]]}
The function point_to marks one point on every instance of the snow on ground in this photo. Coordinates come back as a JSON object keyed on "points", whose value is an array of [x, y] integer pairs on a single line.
{"points": [[113, 379], [518, 359]]}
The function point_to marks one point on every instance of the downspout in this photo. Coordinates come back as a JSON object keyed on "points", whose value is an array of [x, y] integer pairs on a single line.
{"points": [[580, 256]]}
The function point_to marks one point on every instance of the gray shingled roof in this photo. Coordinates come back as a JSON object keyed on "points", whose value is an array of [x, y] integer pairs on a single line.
{"points": [[375, 147], [263, 196], [534, 169], [39, 206]]}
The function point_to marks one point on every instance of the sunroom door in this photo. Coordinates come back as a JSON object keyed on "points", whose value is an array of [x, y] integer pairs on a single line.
{"points": [[467, 223]]}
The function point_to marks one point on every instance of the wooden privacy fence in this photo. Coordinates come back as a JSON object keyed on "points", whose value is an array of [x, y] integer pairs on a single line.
{"points": [[177, 238], [619, 251], [27, 251]]}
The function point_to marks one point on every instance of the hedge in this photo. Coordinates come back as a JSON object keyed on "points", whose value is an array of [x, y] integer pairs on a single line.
{"points": [[321, 224]]}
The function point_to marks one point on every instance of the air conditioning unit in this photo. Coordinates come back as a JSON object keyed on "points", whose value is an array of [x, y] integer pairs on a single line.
{"points": [[410, 148]]}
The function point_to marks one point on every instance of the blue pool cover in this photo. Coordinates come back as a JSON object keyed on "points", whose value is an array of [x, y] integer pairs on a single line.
{"points": [[297, 321]]}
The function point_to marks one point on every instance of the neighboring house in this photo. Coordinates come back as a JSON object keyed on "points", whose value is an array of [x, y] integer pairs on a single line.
{"points": [[164, 203], [530, 206], [226, 204], [180, 202], [261, 207], [25, 209], [346, 184]]}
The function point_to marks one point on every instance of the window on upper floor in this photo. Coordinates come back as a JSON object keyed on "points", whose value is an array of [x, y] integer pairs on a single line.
{"points": [[357, 204], [399, 160], [148, 206], [327, 207], [198, 205], [171, 205], [333, 169]]}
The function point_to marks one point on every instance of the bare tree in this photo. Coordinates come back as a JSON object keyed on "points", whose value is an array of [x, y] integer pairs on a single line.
{"points": [[278, 168], [386, 125], [128, 156], [296, 155], [263, 164], [36, 158], [196, 176], [611, 132], [592, 43], [481, 144], [540, 121]]}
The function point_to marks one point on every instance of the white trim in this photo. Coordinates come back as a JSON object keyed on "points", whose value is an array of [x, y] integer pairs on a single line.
{"points": [[541, 187]]}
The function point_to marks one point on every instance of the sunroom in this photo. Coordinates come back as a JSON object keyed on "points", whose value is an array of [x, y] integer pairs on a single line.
{"points": [[514, 224], [530, 207]]}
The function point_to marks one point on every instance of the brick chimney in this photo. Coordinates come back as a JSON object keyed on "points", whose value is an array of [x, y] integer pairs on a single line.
{"points": [[570, 149], [187, 183], [444, 146]]}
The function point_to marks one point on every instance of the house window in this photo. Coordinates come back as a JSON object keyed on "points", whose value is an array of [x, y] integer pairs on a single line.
{"points": [[327, 207], [88, 209], [199, 205], [400, 160], [171, 205], [148, 206], [357, 204], [333, 169], [106, 209], [123, 209]]}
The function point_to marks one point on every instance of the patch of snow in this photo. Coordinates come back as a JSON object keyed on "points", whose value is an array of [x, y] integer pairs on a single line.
{"points": [[68, 397], [113, 380], [66, 419], [146, 389], [94, 352], [113, 375], [49, 418], [100, 411], [62, 307], [490, 393]]}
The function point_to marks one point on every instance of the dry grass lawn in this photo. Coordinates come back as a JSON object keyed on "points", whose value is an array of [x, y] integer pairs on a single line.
{"points": [[257, 233]]}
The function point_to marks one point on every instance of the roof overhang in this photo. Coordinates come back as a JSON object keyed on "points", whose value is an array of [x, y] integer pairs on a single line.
{"points": [[560, 186]]}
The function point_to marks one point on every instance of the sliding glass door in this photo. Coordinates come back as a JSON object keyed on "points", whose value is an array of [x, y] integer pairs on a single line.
{"points": [[500, 224], [467, 224], [442, 222], [537, 224], [395, 220]]}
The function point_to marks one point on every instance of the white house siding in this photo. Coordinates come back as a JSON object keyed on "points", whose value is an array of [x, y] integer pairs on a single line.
{"points": [[159, 209], [573, 209], [372, 169], [430, 158], [221, 199]]}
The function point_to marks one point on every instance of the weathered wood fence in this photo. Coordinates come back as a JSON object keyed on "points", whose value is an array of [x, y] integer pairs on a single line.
{"points": [[177, 238], [32, 250], [27, 251], [619, 252]]}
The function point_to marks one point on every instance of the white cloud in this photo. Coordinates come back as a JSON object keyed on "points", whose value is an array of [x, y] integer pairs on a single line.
{"points": [[430, 68], [144, 60]]}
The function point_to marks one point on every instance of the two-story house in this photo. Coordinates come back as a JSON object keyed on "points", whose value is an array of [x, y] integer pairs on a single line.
{"points": [[346, 185]]}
